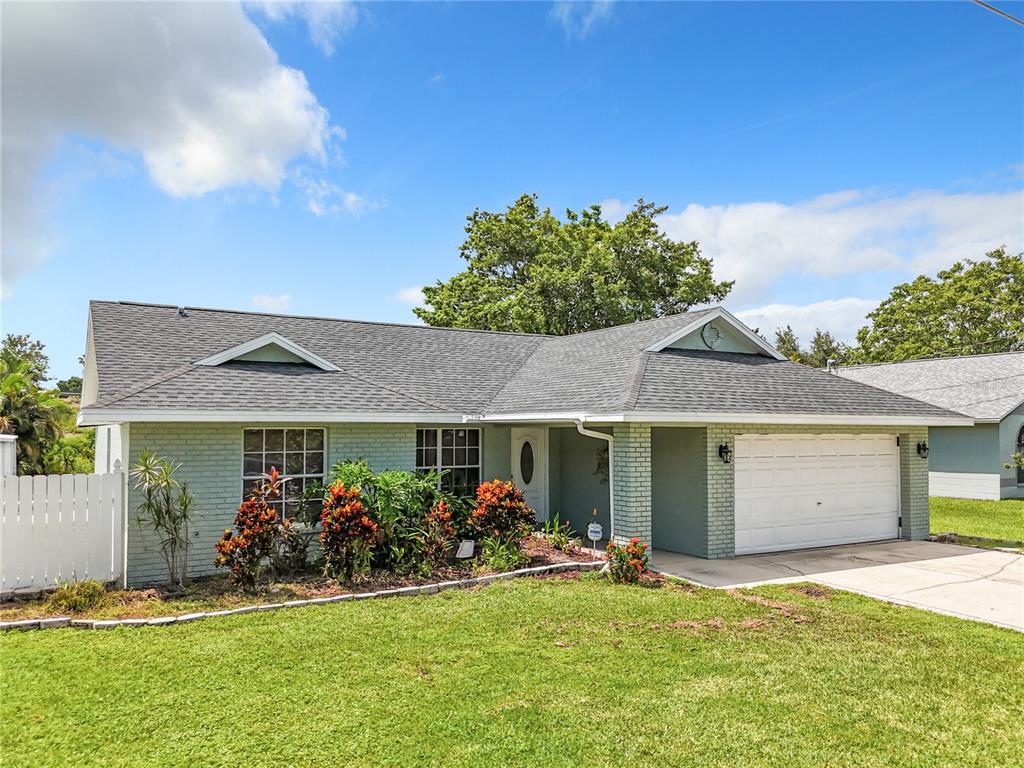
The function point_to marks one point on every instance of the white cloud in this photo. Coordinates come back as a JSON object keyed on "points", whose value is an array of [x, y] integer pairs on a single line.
{"points": [[269, 303], [413, 295], [436, 80], [847, 232], [325, 198], [614, 210], [578, 19], [194, 89], [326, 20], [841, 317]]}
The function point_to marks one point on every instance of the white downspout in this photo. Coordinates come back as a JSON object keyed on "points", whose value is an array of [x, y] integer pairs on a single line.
{"points": [[611, 471]]}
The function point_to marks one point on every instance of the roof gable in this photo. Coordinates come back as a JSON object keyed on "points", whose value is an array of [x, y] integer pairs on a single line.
{"points": [[717, 331], [269, 348]]}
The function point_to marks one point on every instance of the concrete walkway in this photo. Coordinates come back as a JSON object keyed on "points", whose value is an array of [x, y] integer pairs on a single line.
{"points": [[979, 584]]}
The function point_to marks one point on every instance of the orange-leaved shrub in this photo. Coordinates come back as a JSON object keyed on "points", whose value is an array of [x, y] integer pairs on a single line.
{"points": [[439, 527], [256, 522], [501, 512], [347, 534], [626, 564]]}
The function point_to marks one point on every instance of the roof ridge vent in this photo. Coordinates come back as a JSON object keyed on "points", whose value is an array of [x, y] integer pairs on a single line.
{"points": [[181, 311]]}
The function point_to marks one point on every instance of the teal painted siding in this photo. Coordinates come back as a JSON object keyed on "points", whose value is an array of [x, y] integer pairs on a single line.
{"points": [[964, 449], [679, 512], [576, 488], [983, 448], [497, 441]]}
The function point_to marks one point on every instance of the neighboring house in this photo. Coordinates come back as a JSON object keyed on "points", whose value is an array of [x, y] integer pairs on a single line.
{"points": [[689, 431], [966, 463]]}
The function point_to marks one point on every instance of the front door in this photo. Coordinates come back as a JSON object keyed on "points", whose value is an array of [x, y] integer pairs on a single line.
{"points": [[530, 466]]}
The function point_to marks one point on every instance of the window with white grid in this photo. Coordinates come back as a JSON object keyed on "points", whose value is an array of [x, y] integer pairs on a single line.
{"points": [[297, 453], [456, 450]]}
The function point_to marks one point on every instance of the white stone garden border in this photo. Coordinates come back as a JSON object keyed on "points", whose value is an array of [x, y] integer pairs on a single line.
{"points": [[420, 589]]}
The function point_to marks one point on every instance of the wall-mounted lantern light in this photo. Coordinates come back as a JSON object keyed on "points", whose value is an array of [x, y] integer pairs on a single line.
{"points": [[922, 450], [725, 453]]}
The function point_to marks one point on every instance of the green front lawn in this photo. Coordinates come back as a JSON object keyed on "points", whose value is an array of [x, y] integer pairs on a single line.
{"points": [[998, 520], [554, 672]]}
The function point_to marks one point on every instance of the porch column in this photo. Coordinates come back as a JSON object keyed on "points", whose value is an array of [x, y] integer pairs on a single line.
{"points": [[631, 469], [914, 486], [721, 485]]}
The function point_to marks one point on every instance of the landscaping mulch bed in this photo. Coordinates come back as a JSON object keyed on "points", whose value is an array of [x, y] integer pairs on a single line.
{"points": [[217, 593]]}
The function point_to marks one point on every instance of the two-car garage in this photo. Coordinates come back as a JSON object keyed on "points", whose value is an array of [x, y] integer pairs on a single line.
{"points": [[813, 490]]}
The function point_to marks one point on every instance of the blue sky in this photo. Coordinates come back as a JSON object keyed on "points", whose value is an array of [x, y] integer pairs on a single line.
{"points": [[322, 159]]}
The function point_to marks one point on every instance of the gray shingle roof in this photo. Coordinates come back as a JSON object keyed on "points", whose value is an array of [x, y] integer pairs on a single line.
{"points": [[146, 359], [686, 380], [985, 387], [595, 371], [455, 370]]}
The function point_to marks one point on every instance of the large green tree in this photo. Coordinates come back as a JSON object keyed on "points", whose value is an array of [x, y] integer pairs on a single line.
{"points": [[529, 271], [971, 308], [824, 347]]}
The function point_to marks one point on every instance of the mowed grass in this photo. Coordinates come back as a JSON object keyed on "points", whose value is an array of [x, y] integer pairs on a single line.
{"points": [[526, 673], [999, 520]]}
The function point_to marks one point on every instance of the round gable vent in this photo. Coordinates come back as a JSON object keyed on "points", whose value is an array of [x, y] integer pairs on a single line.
{"points": [[711, 335]]}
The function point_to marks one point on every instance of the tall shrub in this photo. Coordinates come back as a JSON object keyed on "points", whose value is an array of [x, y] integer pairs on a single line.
{"points": [[258, 530], [166, 508], [439, 529], [347, 534]]}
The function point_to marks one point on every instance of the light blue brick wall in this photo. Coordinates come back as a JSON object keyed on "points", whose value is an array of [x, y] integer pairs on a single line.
{"points": [[631, 457], [211, 461]]}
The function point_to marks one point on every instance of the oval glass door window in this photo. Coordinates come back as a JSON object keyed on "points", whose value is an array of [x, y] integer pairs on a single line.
{"points": [[526, 462]]}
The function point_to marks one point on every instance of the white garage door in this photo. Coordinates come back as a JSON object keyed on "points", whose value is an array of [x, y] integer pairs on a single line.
{"points": [[796, 491]]}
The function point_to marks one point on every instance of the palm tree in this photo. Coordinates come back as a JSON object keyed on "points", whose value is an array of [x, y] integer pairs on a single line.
{"points": [[33, 414]]}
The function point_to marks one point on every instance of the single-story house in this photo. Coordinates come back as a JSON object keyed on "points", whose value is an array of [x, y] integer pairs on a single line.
{"points": [[965, 463], [689, 431]]}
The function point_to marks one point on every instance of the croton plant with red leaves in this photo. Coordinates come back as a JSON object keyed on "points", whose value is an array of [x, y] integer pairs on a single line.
{"points": [[501, 512], [256, 524], [347, 534]]}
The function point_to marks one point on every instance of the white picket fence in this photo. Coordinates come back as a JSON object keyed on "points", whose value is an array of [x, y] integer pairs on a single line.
{"points": [[56, 528]]}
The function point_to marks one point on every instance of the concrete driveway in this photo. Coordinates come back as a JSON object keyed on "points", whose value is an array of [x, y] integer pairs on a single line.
{"points": [[979, 584]]}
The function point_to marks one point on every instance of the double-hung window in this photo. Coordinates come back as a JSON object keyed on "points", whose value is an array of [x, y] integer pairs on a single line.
{"points": [[298, 454], [456, 450]]}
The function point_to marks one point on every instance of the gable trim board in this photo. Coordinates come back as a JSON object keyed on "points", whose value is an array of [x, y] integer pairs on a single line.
{"points": [[268, 339]]}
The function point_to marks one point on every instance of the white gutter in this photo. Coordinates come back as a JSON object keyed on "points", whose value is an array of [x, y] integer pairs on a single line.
{"points": [[700, 418], [611, 470]]}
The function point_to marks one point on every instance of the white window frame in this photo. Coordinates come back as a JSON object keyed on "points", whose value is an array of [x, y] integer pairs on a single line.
{"points": [[439, 465], [283, 428]]}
